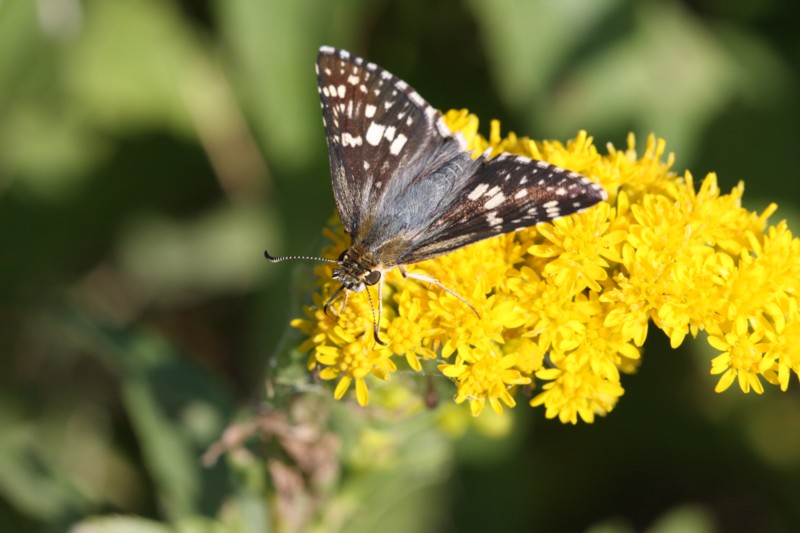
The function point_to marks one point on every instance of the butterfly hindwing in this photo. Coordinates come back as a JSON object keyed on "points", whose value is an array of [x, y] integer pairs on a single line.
{"points": [[506, 193]]}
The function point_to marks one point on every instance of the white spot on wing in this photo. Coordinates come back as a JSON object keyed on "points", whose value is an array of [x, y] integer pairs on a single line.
{"points": [[349, 140], [493, 219], [494, 190], [369, 110], [374, 133], [552, 208], [444, 131], [478, 191], [398, 144], [522, 193], [416, 98], [341, 90], [352, 80], [495, 200]]}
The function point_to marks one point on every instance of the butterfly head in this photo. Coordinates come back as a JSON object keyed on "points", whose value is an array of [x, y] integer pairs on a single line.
{"points": [[354, 273]]}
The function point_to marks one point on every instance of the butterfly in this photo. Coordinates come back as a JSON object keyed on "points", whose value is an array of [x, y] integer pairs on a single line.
{"points": [[406, 187]]}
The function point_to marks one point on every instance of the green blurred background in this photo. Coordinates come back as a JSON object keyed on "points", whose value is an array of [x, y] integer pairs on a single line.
{"points": [[151, 149]]}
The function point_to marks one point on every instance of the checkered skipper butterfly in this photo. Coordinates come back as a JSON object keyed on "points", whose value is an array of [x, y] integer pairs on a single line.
{"points": [[407, 189]]}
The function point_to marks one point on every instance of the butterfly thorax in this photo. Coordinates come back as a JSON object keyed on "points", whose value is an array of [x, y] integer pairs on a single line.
{"points": [[357, 270]]}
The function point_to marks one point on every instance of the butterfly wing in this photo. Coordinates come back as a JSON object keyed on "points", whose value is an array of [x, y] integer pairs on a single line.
{"points": [[506, 193], [406, 188], [381, 137]]}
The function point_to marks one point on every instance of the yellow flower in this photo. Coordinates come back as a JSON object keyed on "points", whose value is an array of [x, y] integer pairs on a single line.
{"points": [[572, 393], [580, 249], [782, 357], [405, 331], [742, 353], [481, 375], [566, 306]]}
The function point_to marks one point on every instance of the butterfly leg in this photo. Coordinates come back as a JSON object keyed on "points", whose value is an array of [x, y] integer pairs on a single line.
{"points": [[332, 298], [376, 324], [434, 281]]}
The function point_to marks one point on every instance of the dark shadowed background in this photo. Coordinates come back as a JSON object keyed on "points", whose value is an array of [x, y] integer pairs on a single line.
{"points": [[150, 150]]}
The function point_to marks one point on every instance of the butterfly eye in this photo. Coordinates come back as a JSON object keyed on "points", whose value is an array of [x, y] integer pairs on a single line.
{"points": [[372, 278], [341, 256]]}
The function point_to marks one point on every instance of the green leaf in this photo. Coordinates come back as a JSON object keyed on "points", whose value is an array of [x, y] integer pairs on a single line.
{"points": [[529, 42], [176, 410], [131, 65]]}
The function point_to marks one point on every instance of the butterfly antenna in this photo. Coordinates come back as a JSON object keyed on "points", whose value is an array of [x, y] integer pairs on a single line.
{"points": [[273, 259]]}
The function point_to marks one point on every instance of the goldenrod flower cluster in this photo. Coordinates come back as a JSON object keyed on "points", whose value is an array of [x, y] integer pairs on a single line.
{"points": [[565, 306]]}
